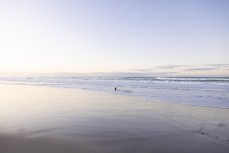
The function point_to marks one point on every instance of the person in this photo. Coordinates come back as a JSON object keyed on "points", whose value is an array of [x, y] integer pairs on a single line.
{"points": [[115, 88]]}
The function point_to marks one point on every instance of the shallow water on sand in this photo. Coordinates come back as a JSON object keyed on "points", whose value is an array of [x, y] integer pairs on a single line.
{"points": [[199, 91], [70, 120]]}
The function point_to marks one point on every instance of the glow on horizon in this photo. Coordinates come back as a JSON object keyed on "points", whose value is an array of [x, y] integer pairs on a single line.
{"points": [[114, 36]]}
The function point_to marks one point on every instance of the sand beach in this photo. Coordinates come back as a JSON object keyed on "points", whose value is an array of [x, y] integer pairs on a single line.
{"points": [[35, 119]]}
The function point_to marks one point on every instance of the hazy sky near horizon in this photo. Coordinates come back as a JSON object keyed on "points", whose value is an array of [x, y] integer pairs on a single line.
{"points": [[115, 36]]}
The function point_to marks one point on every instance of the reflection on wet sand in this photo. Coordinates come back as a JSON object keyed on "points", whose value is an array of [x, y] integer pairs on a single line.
{"points": [[44, 119]]}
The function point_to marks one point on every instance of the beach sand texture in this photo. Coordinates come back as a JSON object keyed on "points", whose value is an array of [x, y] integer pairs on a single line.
{"points": [[35, 119]]}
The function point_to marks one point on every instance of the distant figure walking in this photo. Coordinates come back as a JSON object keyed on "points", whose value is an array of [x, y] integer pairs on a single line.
{"points": [[115, 88]]}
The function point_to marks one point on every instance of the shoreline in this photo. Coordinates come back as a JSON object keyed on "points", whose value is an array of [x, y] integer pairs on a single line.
{"points": [[118, 94], [49, 119]]}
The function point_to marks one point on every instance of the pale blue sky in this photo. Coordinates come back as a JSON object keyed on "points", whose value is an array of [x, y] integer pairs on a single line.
{"points": [[113, 35]]}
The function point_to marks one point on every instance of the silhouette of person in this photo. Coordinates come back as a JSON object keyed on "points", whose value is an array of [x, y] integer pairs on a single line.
{"points": [[115, 88]]}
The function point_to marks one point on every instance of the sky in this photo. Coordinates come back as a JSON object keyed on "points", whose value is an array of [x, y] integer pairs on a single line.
{"points": [[164, 37]]}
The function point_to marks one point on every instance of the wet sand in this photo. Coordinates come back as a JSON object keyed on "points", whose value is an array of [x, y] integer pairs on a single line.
{"points": [[44, 119]]}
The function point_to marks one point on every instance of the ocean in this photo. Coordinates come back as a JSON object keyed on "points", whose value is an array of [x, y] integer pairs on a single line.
{"points": [[200, 91]]}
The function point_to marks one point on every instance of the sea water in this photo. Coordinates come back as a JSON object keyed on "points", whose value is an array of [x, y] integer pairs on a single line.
{"points": [[201, 91]]}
